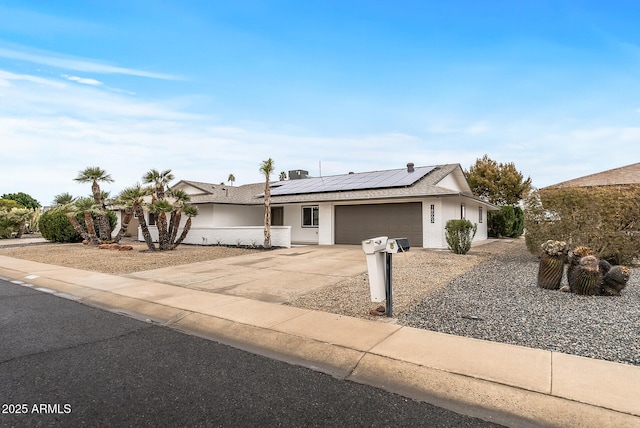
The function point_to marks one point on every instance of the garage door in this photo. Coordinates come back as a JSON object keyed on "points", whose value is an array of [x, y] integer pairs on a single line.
{"points": [[355, 223]]}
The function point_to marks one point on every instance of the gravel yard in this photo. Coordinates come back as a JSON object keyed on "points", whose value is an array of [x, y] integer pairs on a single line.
{"points": [[499, 300], [118, 262], [490, 293]]}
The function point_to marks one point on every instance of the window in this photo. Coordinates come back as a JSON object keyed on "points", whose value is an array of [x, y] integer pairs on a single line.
{"points": [[463, 211], [310, 216], [479, 214], [433, 213], [152, 219]]}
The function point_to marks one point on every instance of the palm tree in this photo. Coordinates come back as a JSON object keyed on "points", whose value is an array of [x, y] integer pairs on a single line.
{"points": [[130, 198], [19, 217], [93, 175], [66, 203], [190, 211], [86, 207], [283, 176], [266, 168], [180, 200], [231, 179], [162, 207], [159, 179]]}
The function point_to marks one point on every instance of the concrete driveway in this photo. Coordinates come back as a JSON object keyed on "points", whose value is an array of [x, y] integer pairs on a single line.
{"points": [[274, 276]]}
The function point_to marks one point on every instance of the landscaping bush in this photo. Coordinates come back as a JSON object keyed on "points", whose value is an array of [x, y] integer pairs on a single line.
{"points": [[506, 223], [604, 219], [459, 235], [55, 226]]}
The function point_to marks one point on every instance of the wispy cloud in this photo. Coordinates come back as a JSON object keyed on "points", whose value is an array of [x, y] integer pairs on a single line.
{"points": [[76, 64], [83, 80]]}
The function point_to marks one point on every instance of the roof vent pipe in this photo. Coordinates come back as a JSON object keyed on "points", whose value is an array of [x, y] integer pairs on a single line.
{"points": [[410, 167]]}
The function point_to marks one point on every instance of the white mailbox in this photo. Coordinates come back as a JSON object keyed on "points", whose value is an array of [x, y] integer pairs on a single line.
{"points": [[374, 249], [397, 245]]}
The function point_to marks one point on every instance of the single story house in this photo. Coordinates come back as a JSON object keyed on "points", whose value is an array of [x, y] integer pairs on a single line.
{"points": [[411, 202]]}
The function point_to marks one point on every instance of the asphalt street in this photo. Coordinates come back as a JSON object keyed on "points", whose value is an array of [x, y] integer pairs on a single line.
{"points": [[67, 364]]}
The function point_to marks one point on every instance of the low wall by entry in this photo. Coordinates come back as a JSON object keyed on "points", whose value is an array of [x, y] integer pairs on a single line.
{"points": [[237, 235]]}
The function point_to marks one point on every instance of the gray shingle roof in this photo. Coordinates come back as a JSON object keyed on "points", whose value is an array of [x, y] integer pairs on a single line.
{"points": [[250, 194], [629, 174]]}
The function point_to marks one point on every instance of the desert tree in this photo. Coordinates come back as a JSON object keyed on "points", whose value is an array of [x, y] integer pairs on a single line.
{"points": [[497, 183]]}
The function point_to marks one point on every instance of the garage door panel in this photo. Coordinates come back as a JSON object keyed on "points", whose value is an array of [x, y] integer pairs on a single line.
{"points": [[355, 223]]}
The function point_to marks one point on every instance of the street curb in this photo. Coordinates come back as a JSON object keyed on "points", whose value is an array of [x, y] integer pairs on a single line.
{"points": [[489, 399]]}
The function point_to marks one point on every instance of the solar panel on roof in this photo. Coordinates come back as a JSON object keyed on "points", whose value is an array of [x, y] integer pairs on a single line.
{"points": [[360, 181]]}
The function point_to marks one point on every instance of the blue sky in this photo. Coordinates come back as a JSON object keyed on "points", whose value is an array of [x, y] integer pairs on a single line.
{"points": [[209, 88]]}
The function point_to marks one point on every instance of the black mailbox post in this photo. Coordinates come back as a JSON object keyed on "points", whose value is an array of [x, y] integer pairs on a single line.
{"points": [[394, 245]]}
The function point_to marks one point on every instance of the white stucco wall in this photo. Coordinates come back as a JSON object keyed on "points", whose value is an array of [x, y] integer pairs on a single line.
{"points": [[327, 223], [237, 215], [451, 211], [432, 232], [299, 234], [240, 235]]}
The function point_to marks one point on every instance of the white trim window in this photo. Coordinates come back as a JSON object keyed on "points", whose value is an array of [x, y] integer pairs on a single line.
{"points": [[463, 212], [310, 216], [479, 214]]}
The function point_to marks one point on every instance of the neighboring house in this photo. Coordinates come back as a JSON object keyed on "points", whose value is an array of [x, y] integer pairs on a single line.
{"points": [[412, 202], [629, 174]]}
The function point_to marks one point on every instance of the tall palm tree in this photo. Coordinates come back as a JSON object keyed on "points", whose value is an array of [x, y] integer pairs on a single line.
{"points": [[94, 175], [86, 207], [66, 203], [266, 169], [231, 179], [158, 178], [190, 211]]}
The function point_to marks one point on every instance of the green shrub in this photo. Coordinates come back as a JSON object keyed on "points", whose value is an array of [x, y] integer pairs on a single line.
{"points": [[55, 226], [506, 223], [459, 235], [604, 219]]}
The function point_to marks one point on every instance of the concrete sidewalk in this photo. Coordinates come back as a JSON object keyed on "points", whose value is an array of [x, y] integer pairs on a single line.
{"points": [[507, 384]]}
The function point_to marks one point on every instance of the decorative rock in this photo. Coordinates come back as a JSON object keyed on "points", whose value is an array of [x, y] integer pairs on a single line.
{"points": [[125, 248]]}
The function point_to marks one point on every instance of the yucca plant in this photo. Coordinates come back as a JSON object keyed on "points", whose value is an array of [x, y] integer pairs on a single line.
{"points": [[585, 277], [551, 266]]}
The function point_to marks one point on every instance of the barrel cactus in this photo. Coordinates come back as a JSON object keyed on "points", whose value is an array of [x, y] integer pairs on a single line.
{"points": [[615, 280], [551, 264], [585, 277], [574, 256]]}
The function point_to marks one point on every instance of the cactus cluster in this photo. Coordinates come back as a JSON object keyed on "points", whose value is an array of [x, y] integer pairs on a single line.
{"points": [[586, 274]]}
